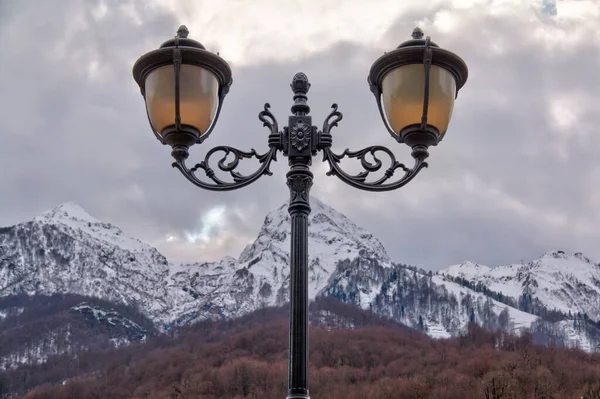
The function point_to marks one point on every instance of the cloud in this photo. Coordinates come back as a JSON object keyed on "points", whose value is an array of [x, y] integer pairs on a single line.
{"points": [[211, 222], [516, 175]]}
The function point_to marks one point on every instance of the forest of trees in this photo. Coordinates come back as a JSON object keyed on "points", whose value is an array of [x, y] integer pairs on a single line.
{"points": [[33, 327], [246, 358], [544, 330]]}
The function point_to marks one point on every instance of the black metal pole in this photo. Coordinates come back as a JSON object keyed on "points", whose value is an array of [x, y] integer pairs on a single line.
{"points": [[299, 180]]}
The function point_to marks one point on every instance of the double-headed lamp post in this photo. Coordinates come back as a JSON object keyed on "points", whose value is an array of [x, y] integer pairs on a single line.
{"points": [[184, 86]]}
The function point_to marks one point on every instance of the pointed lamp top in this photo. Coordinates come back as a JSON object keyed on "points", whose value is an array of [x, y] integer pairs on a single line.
{"points": [[183, 32], [417, 33]]}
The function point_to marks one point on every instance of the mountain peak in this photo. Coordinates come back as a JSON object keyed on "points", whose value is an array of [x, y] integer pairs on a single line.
{"points": [[70, 210], [557, 254], [327, 227], [467, 269], [70, 216]]}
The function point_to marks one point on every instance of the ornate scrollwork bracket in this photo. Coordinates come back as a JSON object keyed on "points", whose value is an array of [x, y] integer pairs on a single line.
{"points": [[359, 180], [238, 180]]}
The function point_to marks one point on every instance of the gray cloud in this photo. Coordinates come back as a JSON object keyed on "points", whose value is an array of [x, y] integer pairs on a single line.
{"points": [[508, 183]]}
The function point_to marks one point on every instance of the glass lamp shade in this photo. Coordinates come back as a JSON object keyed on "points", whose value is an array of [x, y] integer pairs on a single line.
{"points": [[403, 94], [198, 97]]}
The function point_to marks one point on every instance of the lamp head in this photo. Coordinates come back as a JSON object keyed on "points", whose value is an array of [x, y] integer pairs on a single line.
{"points": [[184, 86], [415, 86]]}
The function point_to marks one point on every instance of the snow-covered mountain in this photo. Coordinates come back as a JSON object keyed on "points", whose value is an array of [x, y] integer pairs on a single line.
{"points": [[562, 289], [560, 281], [66, 250], [260, 276]]}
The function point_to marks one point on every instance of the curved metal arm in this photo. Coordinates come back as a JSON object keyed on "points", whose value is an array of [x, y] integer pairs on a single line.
{"points": [[359, 180], [239, 180]]}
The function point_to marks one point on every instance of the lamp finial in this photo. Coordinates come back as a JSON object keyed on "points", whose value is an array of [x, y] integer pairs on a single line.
{"points": [[417, 33], [183, 32]]}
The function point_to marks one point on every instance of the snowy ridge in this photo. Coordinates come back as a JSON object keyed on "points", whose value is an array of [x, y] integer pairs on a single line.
{"points": [[519, 320], [332, 237], [65, 250], [561, 281], [71, 215], [260, 277]]}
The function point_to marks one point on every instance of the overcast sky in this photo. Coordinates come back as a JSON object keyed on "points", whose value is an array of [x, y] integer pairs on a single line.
{"points": [[517, 174]]}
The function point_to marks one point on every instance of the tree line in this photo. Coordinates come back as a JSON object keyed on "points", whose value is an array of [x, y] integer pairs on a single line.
{"points": [[377, 359]]}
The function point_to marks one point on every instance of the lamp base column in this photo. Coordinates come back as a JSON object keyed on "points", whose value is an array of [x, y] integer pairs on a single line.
{"points": [[299, 180]]}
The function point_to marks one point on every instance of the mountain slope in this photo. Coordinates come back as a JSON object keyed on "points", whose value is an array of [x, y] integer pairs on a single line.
{"points": [[260, 277], [247, 358], [67, 251], [421, 300], [560, 281], [33, 328]]}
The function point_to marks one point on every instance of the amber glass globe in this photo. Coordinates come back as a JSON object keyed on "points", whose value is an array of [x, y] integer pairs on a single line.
{"points": [[403, 95], [198, 97]]}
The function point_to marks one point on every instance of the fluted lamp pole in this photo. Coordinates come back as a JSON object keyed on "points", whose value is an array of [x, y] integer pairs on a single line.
{"points": [[184, 87]]}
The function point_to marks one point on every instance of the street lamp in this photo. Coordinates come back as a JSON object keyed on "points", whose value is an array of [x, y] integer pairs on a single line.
{"points": [[184, 86]]}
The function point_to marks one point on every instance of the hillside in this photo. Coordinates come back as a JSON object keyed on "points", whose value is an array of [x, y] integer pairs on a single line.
{"points": [[558, 280], [34, 328], [246, 358], [67, 251]]}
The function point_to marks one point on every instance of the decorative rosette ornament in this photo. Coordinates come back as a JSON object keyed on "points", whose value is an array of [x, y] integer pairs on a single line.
{"points": [[300, 135]]}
